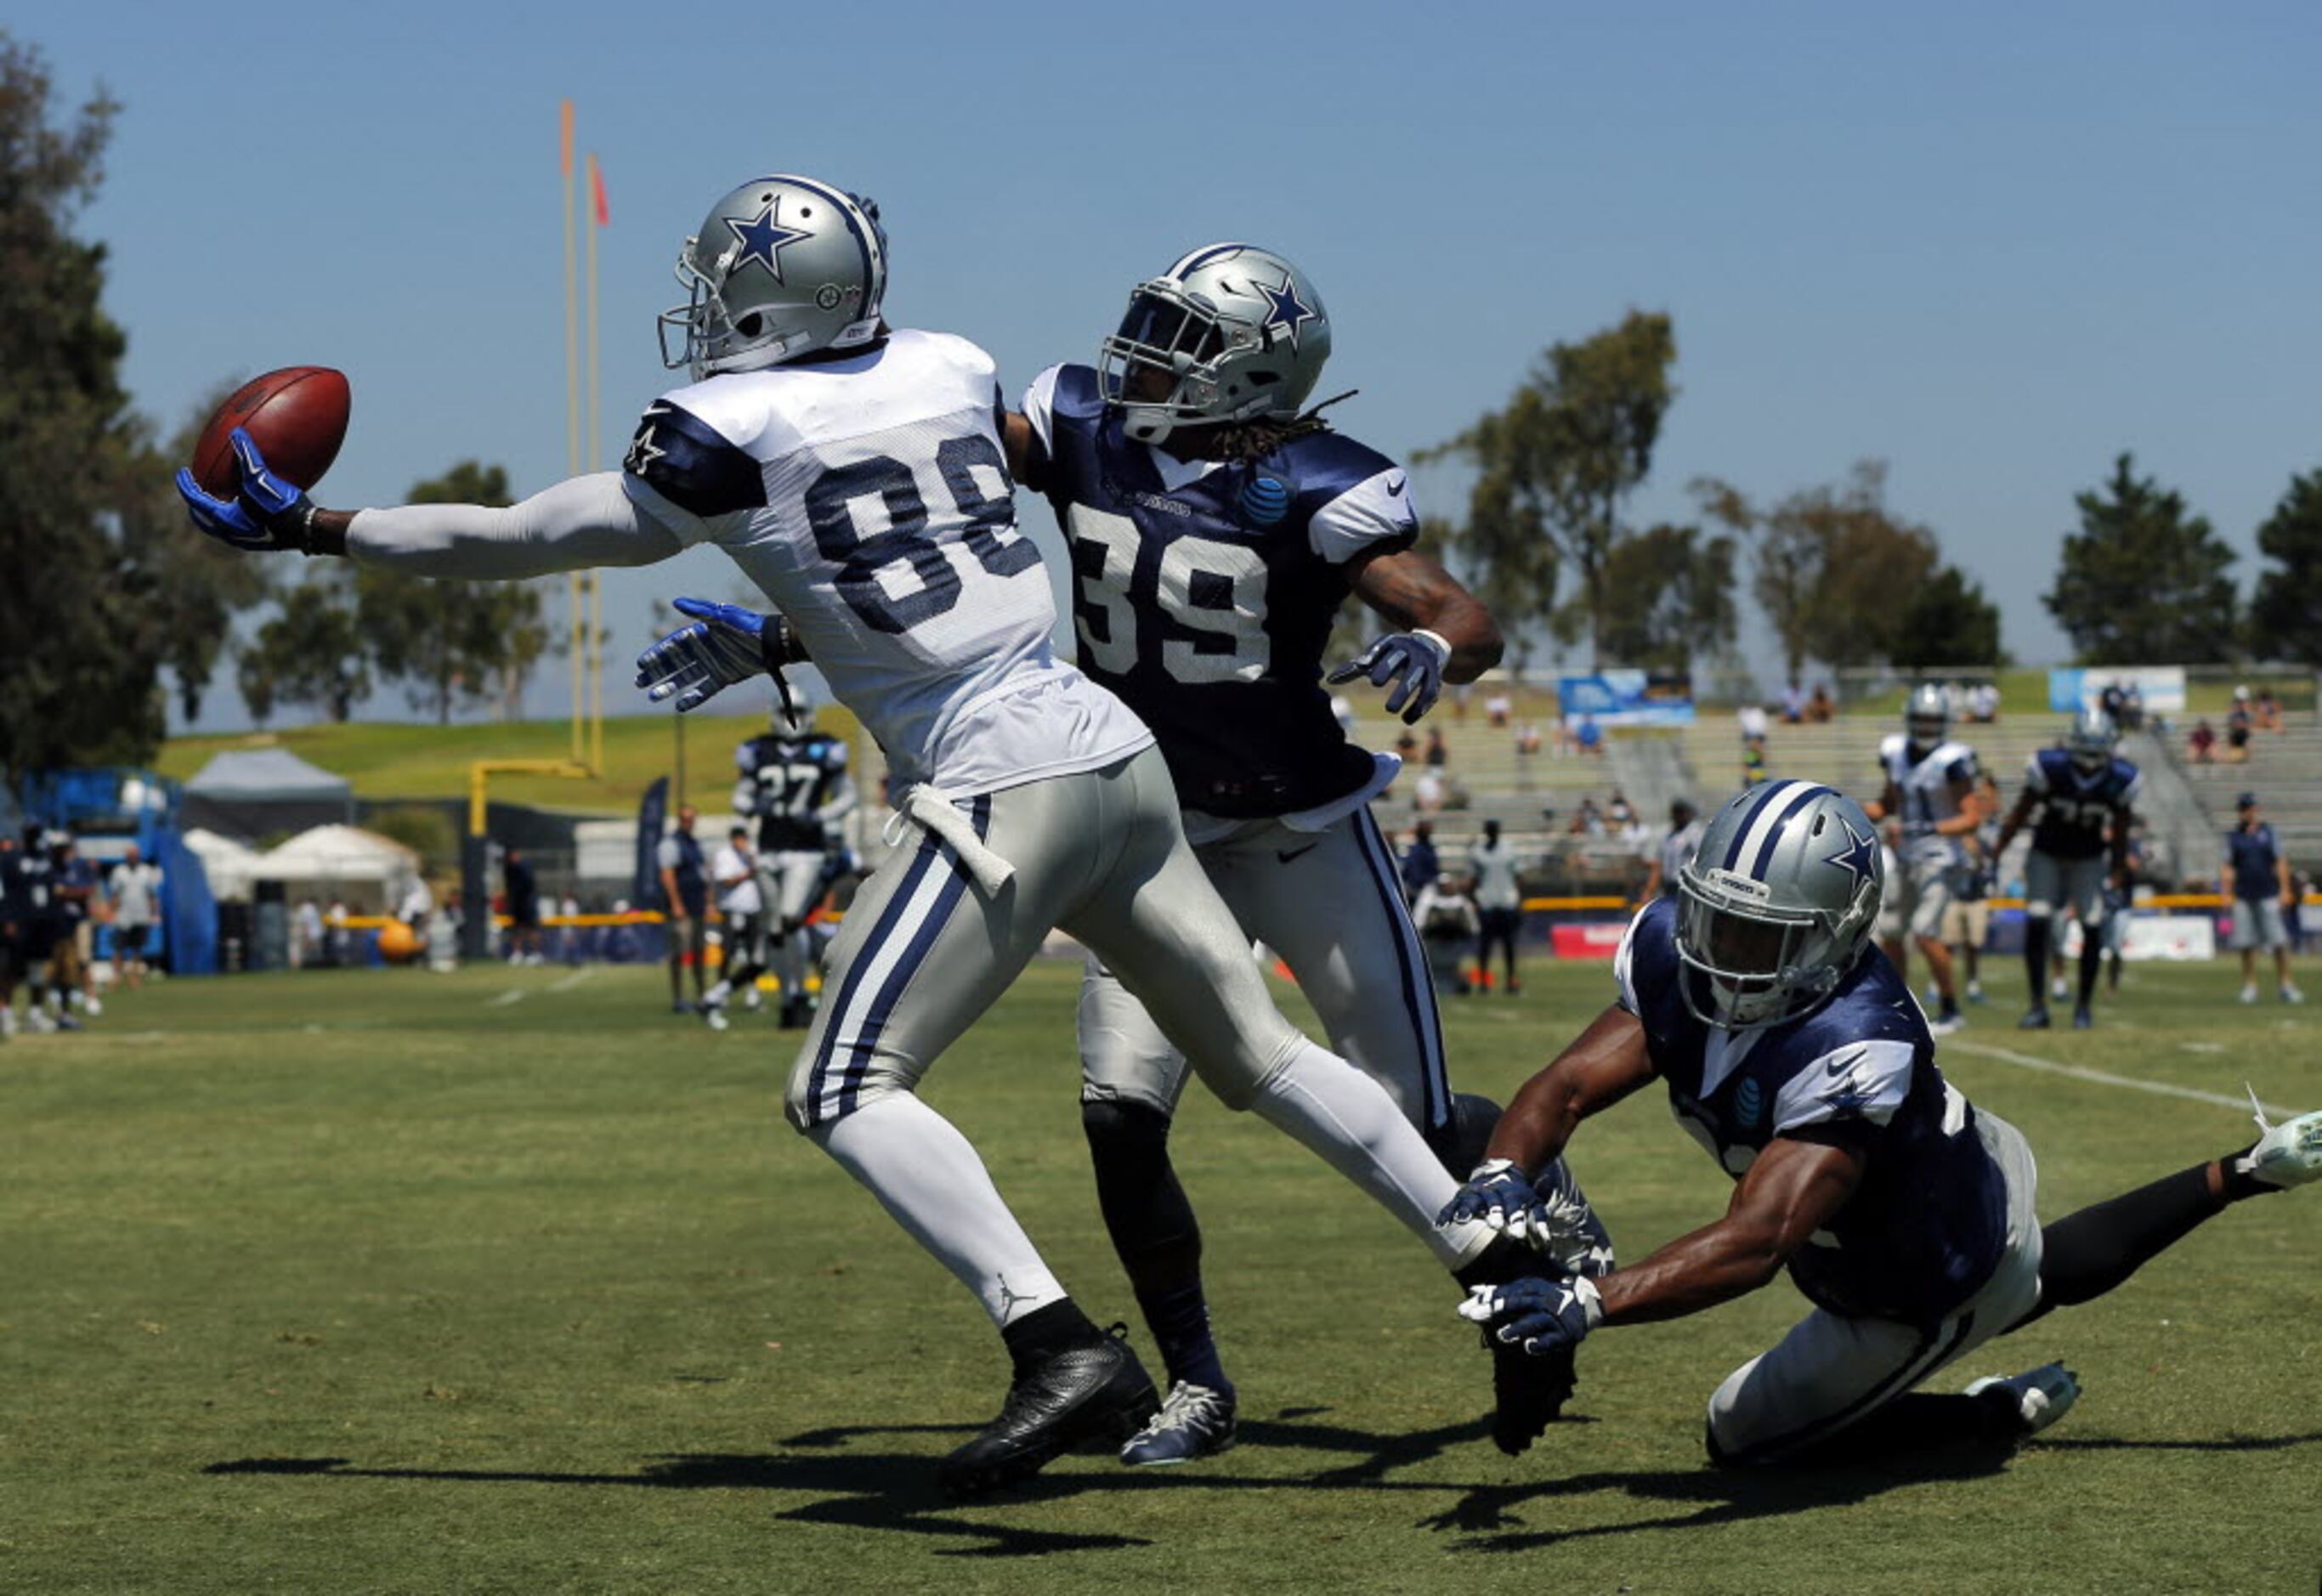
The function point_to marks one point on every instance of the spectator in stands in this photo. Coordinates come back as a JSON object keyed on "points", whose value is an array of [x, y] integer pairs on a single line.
{"points": [[1447, 922], [2265, 712], [1620, 814], [1983, 702], [2130, 716], [2201, 744], [1793, 705], [136, 890], [1419, 863], [1753, 764], [1589, 737], [524, 909], [2237, 727], [1430, 792], [1499, 904], [1751, 719], [1498, 708], [1527, 751], [1675, 853], [2256, 878], [685, 900], [1437, 754], [1406, 748]]}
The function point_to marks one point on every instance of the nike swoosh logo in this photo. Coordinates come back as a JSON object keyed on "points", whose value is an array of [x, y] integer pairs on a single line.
{"points": [[1295, 853], [1838, 1067], [1395, 484]]}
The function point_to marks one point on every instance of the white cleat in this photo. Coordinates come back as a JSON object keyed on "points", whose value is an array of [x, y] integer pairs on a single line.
{"points": [[713, 1015], [2287, 1154], [2249, 991], [2042, 1395], [2288, 995]]}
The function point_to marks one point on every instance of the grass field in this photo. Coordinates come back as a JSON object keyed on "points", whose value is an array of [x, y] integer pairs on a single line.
{"points": [[388, 1281]]}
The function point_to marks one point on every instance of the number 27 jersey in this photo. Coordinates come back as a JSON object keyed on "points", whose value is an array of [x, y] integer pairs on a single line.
{"points": [[869, 498], [1204, 592]]}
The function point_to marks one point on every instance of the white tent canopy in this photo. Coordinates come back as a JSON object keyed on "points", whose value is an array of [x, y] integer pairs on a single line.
{"points": [[229, 865], [344, 862], [267, 776]]}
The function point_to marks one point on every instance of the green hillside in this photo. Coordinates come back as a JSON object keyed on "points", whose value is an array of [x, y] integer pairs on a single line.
{"points": [[403, 761]]}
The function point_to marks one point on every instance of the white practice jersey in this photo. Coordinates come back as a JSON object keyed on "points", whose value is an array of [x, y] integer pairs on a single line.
{"points": [[1929, 785], [869, 498]]}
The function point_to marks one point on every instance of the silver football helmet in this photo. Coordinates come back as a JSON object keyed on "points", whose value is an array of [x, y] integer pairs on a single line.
{"points": [[792, 715], [1228, 333], [2091, 741], [781, 267], [1777, 905], [1927, 715]]}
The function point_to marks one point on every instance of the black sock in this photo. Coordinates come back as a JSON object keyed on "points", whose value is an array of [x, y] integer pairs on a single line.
{"points": [[2035, 957], [1044, 1331], [2087, 1253], [2091, 965], [1153, 1232]]}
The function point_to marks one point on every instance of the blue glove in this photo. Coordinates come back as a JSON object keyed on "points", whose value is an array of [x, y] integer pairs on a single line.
{"points": [[1500, 1195], [1537, 1315], [265, 513], [1412, 661], [726, 643]]}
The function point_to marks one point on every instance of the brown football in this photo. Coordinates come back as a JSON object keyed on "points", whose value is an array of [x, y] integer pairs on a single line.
{"points": [[297, 417]]}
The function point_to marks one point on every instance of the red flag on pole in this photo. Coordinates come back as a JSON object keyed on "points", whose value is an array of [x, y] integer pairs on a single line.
{"points": [[596, 190]]}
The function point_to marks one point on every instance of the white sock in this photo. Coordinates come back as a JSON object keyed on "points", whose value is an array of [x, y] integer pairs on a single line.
{"points": [[715, 996], [1334, 1109], [924, 1173]]}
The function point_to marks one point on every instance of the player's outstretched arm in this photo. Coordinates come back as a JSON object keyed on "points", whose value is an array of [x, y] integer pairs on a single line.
{"points": [[582, 523], [1604, 1065]]}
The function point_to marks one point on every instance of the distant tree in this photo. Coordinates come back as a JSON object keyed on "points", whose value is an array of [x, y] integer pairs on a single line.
{"points": [[1948, 621], [311, 653], [1669, 597], [1832, 568], [1553, 467], [2286, 610], [2143, 580], [450, 643]]}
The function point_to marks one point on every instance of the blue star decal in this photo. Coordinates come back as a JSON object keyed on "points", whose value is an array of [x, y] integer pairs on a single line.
{"points": [[1285, 309], [762, 239], [1858, 856]]}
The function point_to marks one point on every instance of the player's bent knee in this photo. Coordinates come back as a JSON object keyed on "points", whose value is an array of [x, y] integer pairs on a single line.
{"points": [[1116, 1122]]}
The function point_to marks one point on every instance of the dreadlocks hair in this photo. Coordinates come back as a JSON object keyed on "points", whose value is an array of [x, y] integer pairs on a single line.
{"points": [[1240, 441]]}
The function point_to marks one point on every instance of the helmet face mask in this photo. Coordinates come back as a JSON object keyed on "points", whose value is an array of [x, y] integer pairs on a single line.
{"points": [[782, 266], [1777, 905], [1927, 716], [1228, 333], [2091, 741]]}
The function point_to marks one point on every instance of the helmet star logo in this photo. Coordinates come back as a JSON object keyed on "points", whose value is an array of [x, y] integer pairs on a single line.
{"points": [[1858, 855], [1285, 309], [762, 239]]}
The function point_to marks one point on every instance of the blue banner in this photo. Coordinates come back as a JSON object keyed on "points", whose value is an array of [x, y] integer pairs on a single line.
{"points": [[653, 818], [1626, 698]]}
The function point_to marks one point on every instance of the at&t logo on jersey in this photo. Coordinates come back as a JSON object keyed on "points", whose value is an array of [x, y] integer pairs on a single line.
{"points": [[1265, 500]]}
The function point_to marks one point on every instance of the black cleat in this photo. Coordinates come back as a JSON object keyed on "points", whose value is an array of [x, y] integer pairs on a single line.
{"points": [[2035, 1018], [2082, 1019], [1528, 1392], [1094, 1392]]}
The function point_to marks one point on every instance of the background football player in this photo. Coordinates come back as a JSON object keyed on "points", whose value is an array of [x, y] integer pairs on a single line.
{"points": [[734, 872], [855, 474], [1216, 526], [793, 782], [1929, 795], [2083, 793], [1792, 1052]]}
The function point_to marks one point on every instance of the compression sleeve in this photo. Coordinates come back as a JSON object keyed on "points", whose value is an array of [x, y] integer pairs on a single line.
{"points": [[583, 522]]}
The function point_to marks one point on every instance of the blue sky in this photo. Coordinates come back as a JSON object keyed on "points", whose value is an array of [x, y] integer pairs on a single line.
{"points": [[1991, 244]]}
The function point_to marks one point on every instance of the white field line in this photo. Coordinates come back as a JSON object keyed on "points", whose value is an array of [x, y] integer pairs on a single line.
{"points": [[2025, 1061], [565, 983], [513, 995]]}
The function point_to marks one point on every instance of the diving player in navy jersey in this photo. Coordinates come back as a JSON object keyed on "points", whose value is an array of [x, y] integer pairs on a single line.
{"points": [[2082, 792], [1793, 1052], [1216, 527]]}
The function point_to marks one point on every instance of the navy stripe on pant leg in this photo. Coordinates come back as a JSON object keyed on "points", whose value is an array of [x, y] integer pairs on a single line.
{"points": [[1417, 987], [913, 873], [898, 979]]}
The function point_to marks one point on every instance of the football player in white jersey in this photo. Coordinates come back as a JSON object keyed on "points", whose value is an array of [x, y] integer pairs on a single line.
{"points": [[855, 473], [1929, 798]]}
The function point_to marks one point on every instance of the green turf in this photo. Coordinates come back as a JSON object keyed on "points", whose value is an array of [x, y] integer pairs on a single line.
{"points": [[367, 1282]]}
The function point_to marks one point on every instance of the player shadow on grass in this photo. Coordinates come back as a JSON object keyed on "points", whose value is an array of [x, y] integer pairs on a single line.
{"points": [[1488, 1516], [893, 1491]]}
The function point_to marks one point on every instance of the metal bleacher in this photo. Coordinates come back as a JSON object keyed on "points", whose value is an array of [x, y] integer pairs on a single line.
{"points": [[2284, 770]]}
